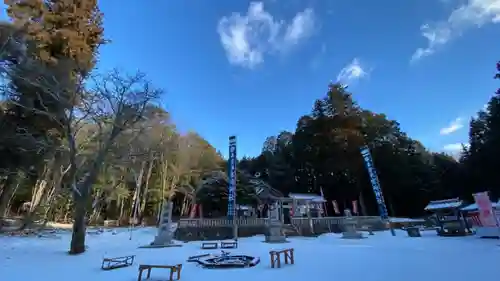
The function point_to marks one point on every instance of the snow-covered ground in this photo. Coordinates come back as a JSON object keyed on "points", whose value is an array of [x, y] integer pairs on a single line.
{"points": [[377, 258]]}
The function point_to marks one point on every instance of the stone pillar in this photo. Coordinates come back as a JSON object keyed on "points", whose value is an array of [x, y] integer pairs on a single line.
{"points": [[309, 217], [349, 225], [165, 228], [281, 213], [275, 228]]}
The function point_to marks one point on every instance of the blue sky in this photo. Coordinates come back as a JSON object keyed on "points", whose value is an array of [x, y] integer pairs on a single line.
{"points": [[253, 68]]}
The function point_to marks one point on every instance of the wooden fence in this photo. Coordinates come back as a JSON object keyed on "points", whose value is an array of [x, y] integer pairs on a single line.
{"points": [[211, 222]]}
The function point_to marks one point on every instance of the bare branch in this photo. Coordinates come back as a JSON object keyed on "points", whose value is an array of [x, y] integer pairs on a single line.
{"points": [[89, 119]]}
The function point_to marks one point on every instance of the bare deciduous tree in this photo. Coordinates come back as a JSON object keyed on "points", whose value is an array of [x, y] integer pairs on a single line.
{"points": [[119, 102], [112, 104]]}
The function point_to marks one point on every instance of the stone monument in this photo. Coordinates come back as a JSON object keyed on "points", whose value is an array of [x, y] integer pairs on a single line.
{"points": [[166, 228], [275, 227], [349, 225]]}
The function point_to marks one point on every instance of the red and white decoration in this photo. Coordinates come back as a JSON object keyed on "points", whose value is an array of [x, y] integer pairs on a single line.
{"points": [[486, 214], [355, 206], [194, 209]]}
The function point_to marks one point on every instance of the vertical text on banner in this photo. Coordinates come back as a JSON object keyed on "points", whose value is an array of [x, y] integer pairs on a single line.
{"points": [[485, 208], [365, 152], [232, 178]]}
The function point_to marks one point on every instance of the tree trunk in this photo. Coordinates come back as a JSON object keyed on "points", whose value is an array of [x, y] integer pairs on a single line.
{"points": [[184, 206], [79, 228], [145, 192], [83, 188], [39, 194], [362, 204], [391, 207], [48, 205], [96, 214], [81, 194], [56, 188], [12, 195], [122, 209], [96, 207], [8, 190], [136, 199]]}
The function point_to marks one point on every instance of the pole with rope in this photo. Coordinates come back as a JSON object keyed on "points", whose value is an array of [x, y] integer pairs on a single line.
{"points": [[231, 213]]}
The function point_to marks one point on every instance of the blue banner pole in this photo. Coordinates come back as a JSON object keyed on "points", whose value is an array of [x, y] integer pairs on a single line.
{"points": [[231, 200], [365, 153]]}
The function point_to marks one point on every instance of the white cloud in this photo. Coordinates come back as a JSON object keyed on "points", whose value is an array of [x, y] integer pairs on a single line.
{"points": [[352, 72], [472, 14], [452, 147], [247, 38], [301, 26], [454, 126]]}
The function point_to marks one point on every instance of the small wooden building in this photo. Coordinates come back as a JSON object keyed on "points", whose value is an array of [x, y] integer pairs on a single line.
{"points": [[305, 204], [449, 217], [301, 205]]}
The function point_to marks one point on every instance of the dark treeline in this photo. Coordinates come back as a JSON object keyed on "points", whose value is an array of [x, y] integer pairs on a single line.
{"points": [[324, 153]]}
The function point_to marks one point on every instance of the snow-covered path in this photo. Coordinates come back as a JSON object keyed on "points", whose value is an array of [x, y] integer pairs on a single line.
{"points": [[377, 258]]}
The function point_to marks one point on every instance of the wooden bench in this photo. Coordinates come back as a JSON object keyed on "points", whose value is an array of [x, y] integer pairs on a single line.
{"points": [[229, 244], [276, 257], [112, 263], [196, 258], [209, 245], [173, 268]]}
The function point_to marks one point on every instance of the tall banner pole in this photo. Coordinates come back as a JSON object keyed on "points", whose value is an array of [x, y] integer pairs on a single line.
{"points": [[365, 152], [232, 185]]}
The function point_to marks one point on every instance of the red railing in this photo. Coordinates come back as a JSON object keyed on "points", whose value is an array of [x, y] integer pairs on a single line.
{"points": [[473, 218]]}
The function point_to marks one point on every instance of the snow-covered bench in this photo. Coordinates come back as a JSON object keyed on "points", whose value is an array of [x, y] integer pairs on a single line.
{"points": [[173, 269], [112, 263]]}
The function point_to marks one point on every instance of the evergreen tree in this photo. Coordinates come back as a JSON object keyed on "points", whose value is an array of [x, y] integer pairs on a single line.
{"points": [[61, 43]]}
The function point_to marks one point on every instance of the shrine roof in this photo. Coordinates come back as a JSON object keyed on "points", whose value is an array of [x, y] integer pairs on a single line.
{"points": [[406, 220], [444, 204], [473, 207], [307, 196]]}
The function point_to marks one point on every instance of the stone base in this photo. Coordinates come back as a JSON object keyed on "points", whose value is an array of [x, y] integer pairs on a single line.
{"points": [[352, 235], [163, 237], [275, 234], [190, 233], [161, 246], [276, 239]]}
